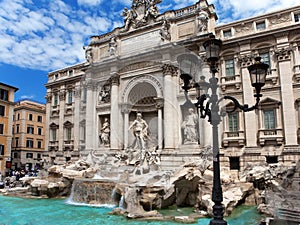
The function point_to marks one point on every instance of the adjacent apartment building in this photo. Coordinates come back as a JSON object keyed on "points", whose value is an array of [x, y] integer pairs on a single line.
{"points": [[7, 95], [134, 68], [28, 143]]}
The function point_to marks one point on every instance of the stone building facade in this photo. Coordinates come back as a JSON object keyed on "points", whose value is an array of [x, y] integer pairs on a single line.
{"points": [[134, 70], [7, 96], [29, 127]]}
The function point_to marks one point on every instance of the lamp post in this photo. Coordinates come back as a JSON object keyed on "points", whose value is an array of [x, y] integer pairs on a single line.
{"points": [[258, 72]]}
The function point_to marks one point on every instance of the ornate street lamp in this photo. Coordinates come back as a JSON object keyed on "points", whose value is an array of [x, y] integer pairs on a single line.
{"points": [[258, 72]]}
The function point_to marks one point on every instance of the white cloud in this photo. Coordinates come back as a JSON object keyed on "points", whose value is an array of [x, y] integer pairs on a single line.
{"points": [[49, 37], [27, 97], [89, 2], [230, 10]]}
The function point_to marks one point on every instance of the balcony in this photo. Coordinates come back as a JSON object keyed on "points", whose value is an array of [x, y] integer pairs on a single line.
{"points": [[298, 135], [296, 76], [233, 138], [69, 108], [53, 146], [227, 81], [272, 77], [55, 111], [270, 136], [68, 145]]}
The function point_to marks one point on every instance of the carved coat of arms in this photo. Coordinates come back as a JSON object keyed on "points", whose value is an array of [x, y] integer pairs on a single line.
{"points": [[140, 13]]}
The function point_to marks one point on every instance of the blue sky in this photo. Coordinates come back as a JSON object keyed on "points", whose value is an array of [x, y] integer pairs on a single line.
{"points": [[39, 36]]}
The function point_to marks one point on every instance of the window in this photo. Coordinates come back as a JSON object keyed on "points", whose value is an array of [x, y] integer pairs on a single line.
{"points": [[56, 76], [53, 134], [55, 100], [68, 133], [40, 130], [18, 129], [2, 110], [17, 142], [297, 17], [30, 117], [29, 143], [1, 128], [16, 155], [265, 58], [71, 72], [40, 119], [234, 163], [83, 94], [70, 96], [233, 122], [30, 130], [261, 25], [272, 159], [18, 116], [29, 155], [229, 65], [68, 130], [39, 144], [227, 34], [53, 130], [269, 119], [1, 149], [38, 155], [3, 94]]}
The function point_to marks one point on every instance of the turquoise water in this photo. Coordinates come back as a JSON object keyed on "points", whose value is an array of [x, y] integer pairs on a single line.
{"points": [[19, 211]]}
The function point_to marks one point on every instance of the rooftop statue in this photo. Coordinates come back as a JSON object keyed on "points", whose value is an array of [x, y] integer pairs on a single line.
{"points": [[140, 13]]}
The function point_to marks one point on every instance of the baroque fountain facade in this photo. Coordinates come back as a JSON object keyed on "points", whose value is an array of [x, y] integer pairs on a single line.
{"points": [[122, 131]]}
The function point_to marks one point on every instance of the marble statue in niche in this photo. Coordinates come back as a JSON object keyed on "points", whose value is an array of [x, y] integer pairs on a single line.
{"points": [[189, 127], [112, 46], [202, 22], [104, 134], [140, 132], [104, 94]]}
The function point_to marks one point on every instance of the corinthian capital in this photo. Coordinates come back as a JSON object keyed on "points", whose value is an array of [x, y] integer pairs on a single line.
{"points": [[169, 70], [115, 79], [283, 53]]}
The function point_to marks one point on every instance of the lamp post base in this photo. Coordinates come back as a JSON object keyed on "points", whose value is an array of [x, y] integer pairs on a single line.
{"points": [[217, 222], [218, 212]]}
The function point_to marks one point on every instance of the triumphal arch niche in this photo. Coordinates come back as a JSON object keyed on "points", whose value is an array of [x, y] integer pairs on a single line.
{"points": [[136, 92]]}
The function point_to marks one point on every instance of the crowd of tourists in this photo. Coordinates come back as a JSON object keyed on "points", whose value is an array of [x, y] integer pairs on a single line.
{"points": [[14, 177]]}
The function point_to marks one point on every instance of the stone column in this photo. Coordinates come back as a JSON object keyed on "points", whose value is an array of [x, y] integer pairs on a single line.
{"points": [[60, 135], [206, 131], [169, 108], [48, 113], [296, 58], [296, 54], [286, 86], [176, 108], [76, 94], [114, 116], [248, 98], [241, 121], [125, 110], [23, 130], [159, 106], [91, 131]]}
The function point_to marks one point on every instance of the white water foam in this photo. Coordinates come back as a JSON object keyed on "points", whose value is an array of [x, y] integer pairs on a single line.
{"points": [[70, 202]]}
